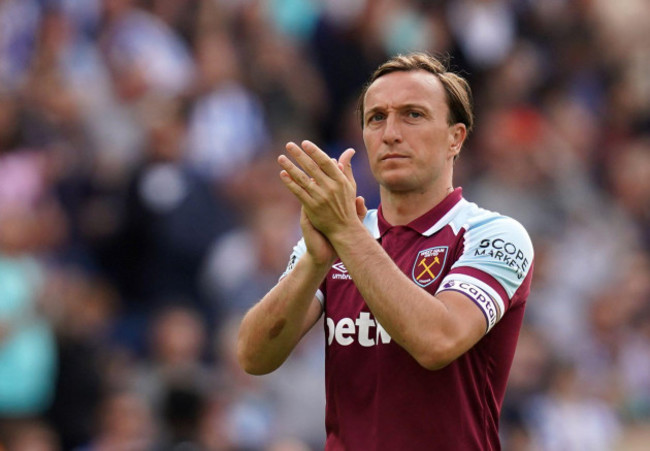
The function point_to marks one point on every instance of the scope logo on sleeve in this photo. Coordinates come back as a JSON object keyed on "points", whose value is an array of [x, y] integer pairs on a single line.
{"points": [[505, 252]]}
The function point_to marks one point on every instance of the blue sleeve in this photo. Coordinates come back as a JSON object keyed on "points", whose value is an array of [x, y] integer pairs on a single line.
{"points": [[499, 247]]}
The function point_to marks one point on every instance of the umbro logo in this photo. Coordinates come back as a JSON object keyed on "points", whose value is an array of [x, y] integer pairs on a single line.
{"points": [[342, 273]]}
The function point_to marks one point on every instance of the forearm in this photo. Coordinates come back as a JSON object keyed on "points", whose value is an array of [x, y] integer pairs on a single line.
{"points": [[416, 320], [434, 330], [274, 326]]}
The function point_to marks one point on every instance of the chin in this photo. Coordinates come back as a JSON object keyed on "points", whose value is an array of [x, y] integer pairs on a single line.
{"points": [[399, 184]]}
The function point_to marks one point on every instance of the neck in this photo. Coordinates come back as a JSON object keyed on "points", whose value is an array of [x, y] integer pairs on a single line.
{"points": [[402, 208]]}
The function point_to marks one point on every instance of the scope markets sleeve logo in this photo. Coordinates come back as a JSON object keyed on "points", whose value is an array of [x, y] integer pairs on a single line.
{"points": [[428, 265]]}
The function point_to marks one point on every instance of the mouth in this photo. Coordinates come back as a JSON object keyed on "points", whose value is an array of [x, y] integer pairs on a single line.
{"points": [[393, 156]]}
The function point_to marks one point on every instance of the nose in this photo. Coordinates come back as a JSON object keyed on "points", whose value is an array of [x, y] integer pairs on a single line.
{"points": [[392, 131]]}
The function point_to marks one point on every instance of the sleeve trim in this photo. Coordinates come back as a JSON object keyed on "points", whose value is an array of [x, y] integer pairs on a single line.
{"points": [[486, 281], [481, 294]]}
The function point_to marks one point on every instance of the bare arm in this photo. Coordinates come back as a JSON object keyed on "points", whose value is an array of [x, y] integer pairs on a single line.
{"points": [[274, 326], [434, 330]]}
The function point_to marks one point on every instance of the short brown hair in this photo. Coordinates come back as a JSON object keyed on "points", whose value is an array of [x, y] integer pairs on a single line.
{"points": [[457, 90]]}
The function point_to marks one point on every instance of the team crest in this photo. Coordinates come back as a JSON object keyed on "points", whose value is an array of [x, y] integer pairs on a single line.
{"points": [[428, 265]]}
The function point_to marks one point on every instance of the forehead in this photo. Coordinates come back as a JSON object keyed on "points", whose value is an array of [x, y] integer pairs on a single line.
{"points": [[417, 87]]}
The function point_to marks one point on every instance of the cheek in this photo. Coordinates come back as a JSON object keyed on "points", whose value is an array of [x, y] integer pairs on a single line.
{"points": [[366, 135], [370, 142], [439, 141]]}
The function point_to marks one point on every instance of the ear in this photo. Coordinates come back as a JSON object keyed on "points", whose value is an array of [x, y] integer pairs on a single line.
{"points": [[457, 135]]}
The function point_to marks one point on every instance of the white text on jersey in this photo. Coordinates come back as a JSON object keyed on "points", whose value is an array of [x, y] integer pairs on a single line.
{"points": [[346, 329]]}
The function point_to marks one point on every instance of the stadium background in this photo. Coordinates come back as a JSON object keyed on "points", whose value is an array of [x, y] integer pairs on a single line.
{"points": [[141, 211]]}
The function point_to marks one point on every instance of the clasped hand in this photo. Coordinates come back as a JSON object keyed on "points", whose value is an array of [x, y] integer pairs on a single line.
{"points": [[324, 186]]}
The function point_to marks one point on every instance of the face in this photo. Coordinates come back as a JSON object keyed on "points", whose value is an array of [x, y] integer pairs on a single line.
{"points": [[410, 144]]}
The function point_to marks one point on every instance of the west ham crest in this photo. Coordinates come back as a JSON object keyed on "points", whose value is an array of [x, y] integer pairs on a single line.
{"points": [[428, 265]]}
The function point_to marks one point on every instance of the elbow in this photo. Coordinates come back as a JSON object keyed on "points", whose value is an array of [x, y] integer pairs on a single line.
{"points": [[436, 357], [244, 352], [256, 363], [249, 366], [254, 370], [249, 362], [433, 362]]}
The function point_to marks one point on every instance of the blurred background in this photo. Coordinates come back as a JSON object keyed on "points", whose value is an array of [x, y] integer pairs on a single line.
{"points": [[141, 212]]}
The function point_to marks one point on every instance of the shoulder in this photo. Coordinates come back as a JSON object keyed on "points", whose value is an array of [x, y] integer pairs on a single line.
{"points": [[489, 229], [497, 245], [371, 222]]}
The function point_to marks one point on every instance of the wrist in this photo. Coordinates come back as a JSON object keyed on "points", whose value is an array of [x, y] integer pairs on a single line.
{"points": [[348, 236], [319, 266]]}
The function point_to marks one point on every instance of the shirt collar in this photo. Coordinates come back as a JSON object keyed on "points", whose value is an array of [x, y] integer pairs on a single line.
{"points": [[425, 224]]}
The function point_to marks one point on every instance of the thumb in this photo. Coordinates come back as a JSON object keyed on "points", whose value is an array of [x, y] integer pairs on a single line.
{"points": [[360, 204]]}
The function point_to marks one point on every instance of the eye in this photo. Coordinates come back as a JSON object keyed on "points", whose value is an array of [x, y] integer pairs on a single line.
{"points": [[414, 114], [376, 117]]}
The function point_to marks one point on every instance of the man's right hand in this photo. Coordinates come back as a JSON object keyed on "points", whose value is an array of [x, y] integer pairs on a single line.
{"points": [[319, 248], [273, 327]]}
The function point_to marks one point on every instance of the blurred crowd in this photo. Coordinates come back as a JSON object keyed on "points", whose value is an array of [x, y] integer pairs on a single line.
{"points": [[141, 211]]}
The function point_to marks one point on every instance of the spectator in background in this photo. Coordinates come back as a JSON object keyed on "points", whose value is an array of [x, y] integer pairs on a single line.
{"points": [[246, 404], [145, 54], [176, 380], [83, 308], [123, 422], [290, 88], [245, 261], [345, 51], [565, 417], [76, 103], [628, 178], [242, 265], [485, 30], [28, 357], [33, 436], [183, 17], [19, 22], [170, 217], [227, 128]]}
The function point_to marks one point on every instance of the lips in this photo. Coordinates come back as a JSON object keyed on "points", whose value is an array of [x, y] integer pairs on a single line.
{"points": [[393, 156]]}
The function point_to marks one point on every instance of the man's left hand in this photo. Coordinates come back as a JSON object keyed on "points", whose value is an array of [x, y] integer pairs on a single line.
{"points": [[325, 187]]}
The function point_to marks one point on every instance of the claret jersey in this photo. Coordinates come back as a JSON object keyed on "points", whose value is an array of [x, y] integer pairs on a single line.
{"points": [[378, 397]]}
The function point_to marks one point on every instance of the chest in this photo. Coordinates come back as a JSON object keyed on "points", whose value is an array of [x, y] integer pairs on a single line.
{"points": [[425, 260]]}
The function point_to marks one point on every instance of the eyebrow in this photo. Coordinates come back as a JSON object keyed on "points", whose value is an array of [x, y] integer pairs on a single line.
{"points": [[406, 106]]}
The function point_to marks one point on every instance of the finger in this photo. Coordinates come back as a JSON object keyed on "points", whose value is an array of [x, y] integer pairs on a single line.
{"points": [[301, 194], [323, 160], [309, 184], [345, 163], [296, 180], [294, 172], [308, 165], [360, 204]]}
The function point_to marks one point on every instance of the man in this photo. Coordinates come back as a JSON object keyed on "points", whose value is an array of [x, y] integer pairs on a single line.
{"points": [[423, 298]]}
